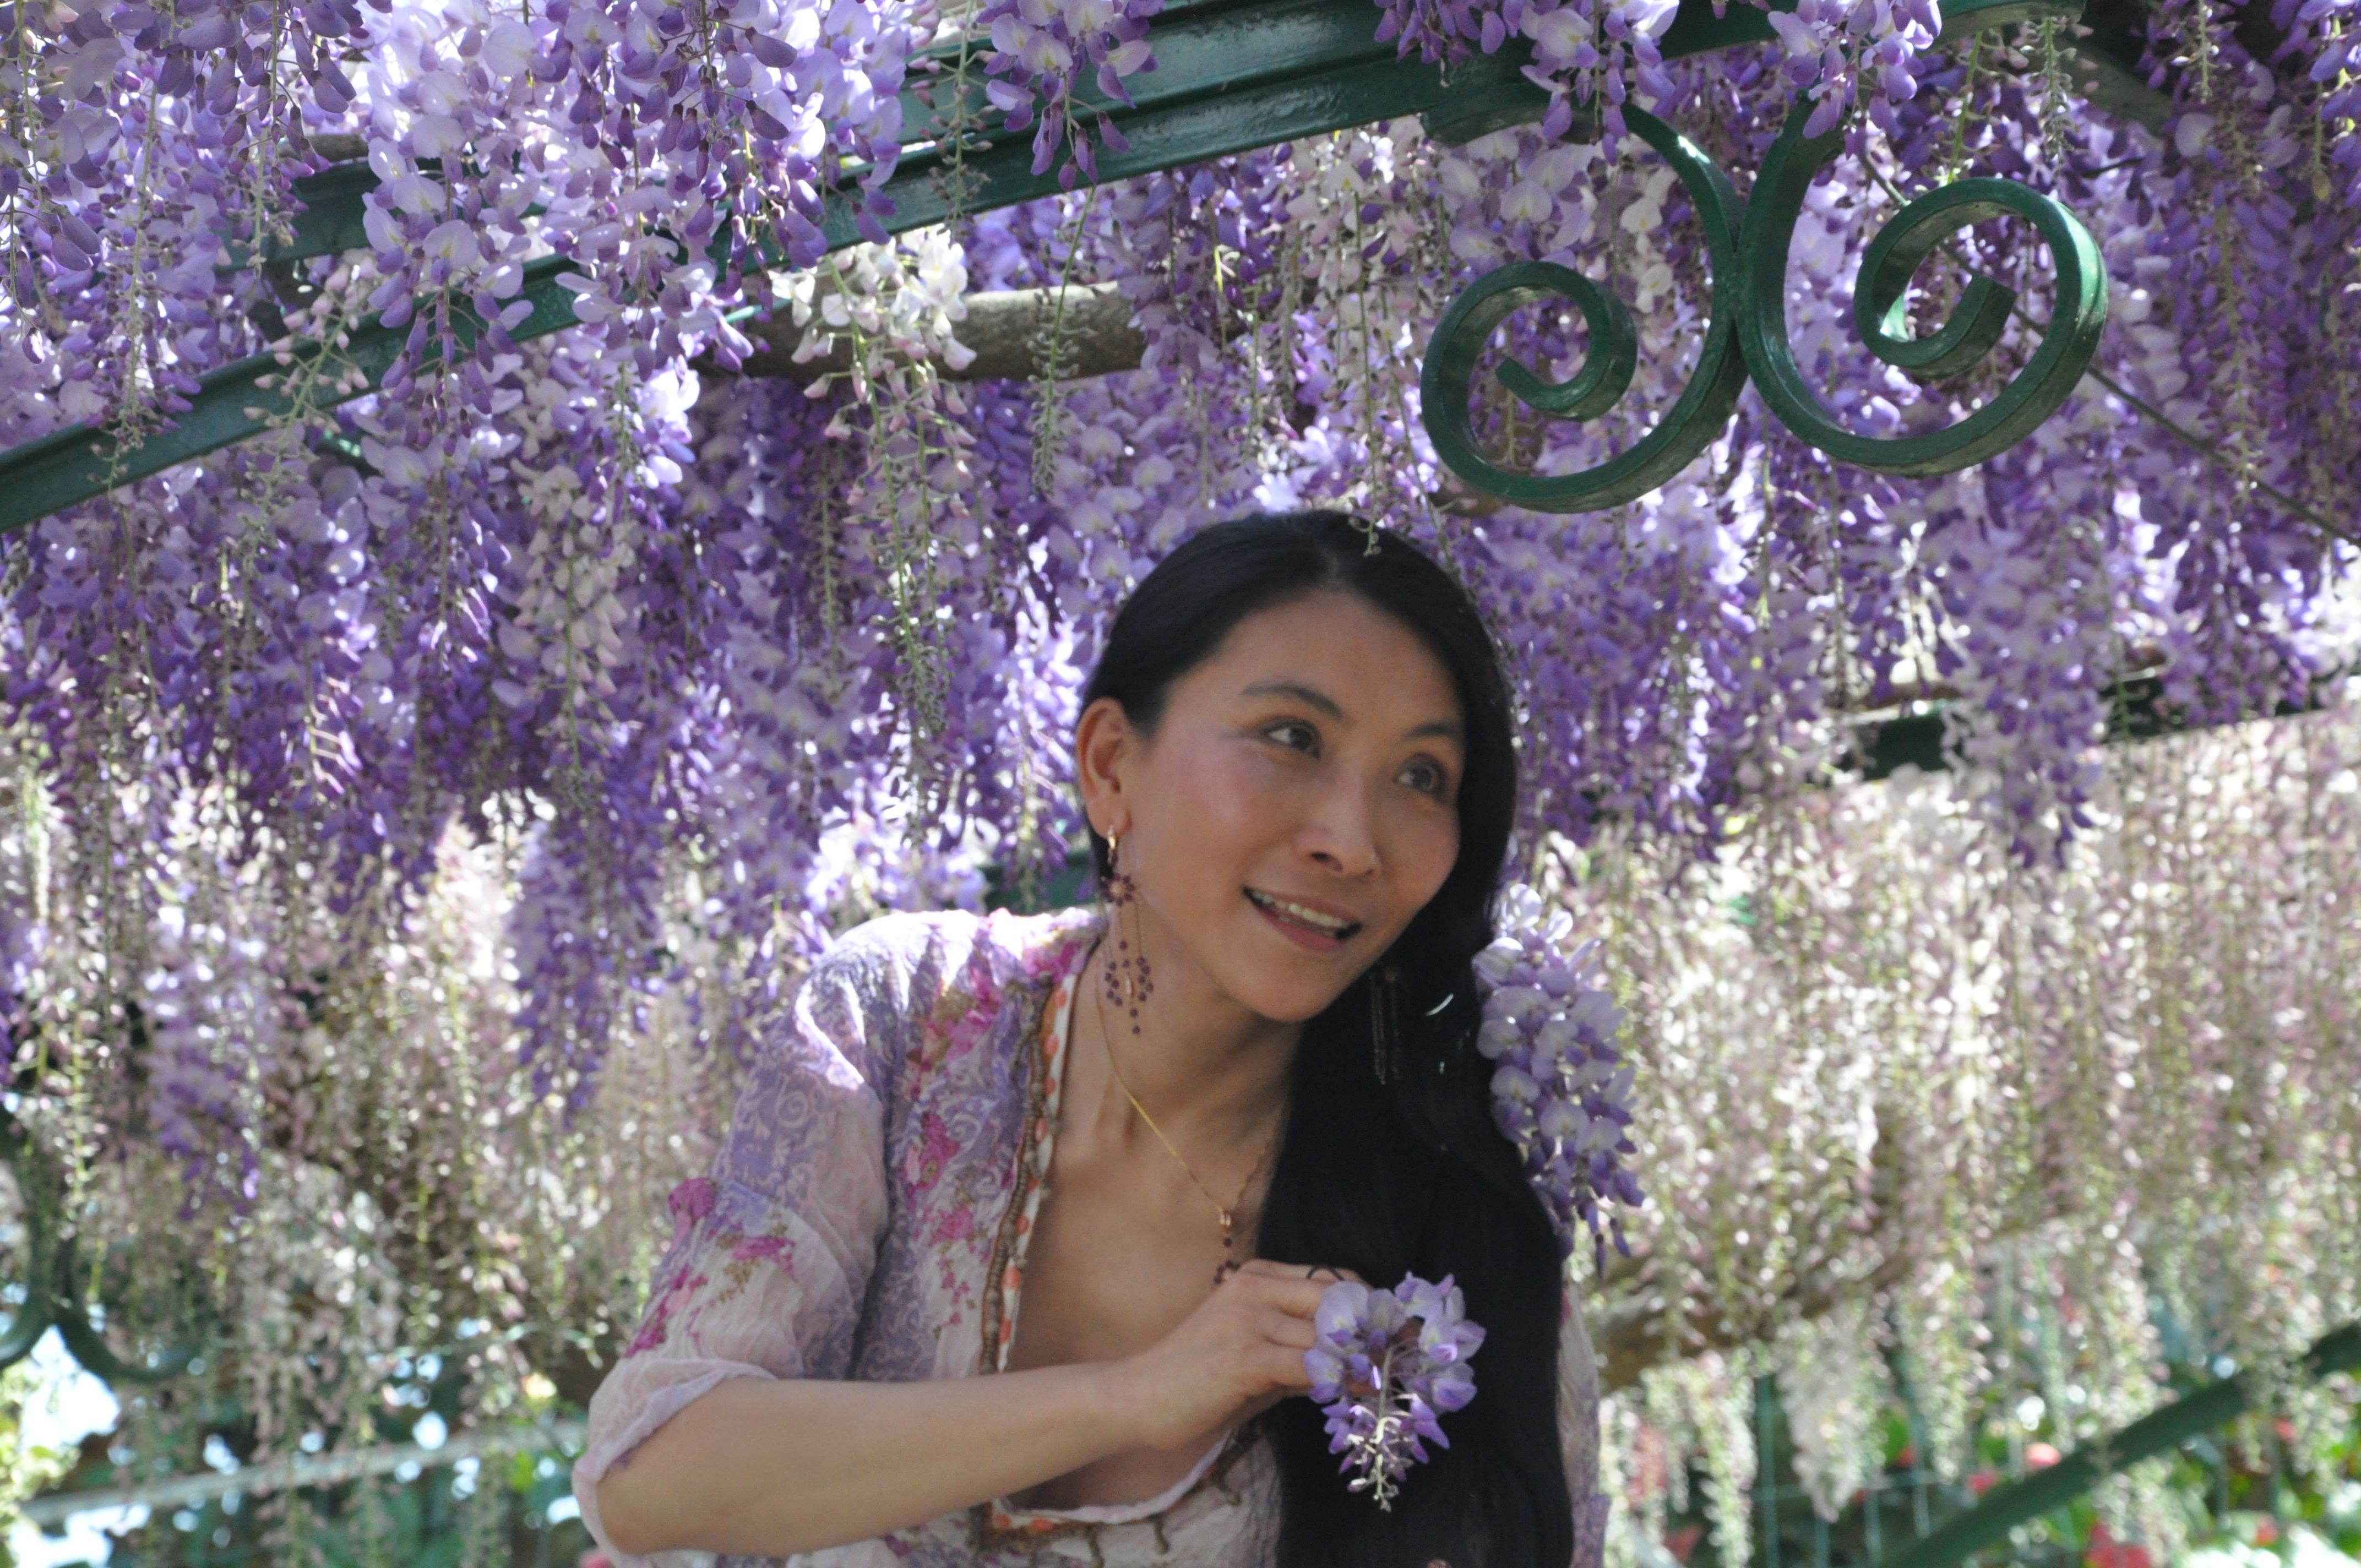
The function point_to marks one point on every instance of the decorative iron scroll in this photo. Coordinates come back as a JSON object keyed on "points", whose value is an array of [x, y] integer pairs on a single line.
{"points": [[1231, 75], [1747, 333], [56, 1283]]}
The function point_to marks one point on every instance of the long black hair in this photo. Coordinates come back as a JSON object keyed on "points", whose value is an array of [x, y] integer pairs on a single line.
{"points": [[1407, 1176]]}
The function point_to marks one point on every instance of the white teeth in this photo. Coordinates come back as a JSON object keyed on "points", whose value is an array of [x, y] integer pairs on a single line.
{"points": [[1300, 914]]}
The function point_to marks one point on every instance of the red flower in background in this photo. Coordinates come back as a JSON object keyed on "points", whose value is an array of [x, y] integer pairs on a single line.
{"points": [[2106, 1551]]}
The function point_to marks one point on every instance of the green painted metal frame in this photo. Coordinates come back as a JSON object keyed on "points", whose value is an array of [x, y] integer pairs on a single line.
{"points": [[55, 1276], [1704, 406], [1747, 329], [2067, 343], [2020, 1502], [1231, 75]]}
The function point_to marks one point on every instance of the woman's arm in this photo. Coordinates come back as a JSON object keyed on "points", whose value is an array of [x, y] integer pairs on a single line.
{"points": [[769, 1467]]}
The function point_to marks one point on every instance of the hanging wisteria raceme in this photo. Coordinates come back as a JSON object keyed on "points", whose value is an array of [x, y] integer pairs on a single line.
{"points": [[1560, 1091], [1586, 53], [631, 186], [1839, 55], [418, 814], [143, 147], [2326, 34], [1906, 1109], [1042, 50], [519, 586], [1892, 1094]]}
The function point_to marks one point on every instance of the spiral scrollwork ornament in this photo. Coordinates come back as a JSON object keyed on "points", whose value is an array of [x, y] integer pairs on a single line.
{"points": [[57, 1285], [1704, 405], [2031, 396], [1747, 332]]}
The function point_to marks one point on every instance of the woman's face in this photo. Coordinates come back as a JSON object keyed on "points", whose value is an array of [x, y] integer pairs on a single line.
{"points": [[1296, 806]]}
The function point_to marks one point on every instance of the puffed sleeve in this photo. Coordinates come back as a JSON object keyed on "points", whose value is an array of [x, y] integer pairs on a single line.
{"points": [[1577, 1419], [772, 1251]]}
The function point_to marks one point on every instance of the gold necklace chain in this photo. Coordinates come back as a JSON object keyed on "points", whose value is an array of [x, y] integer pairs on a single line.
{"points": [[1227, 1213]]}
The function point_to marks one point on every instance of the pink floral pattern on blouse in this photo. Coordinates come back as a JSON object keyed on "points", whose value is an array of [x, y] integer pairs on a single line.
{"points": [[866, 1218]]}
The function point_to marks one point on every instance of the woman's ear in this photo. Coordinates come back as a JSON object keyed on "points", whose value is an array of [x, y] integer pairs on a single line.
{"points": [[1105, 746]]}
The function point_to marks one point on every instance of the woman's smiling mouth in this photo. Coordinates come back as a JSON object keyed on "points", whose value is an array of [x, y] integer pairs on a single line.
{"points": [[1306, 924]]}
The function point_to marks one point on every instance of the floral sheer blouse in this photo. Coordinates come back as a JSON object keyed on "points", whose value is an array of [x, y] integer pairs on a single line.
{"points": [[867, 1217]]}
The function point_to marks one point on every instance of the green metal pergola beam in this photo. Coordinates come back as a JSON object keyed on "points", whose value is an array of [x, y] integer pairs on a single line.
{"points": [[234, 403], [1231, 75], [2020, 1502]]}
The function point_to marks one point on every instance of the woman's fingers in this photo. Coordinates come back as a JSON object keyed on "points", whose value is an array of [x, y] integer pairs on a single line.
{"points": [[1321, 1274], [1282, 1369], [1268, 1268], [1289, 1292], [1261, 1316], [1239, 1352], [1286, 1329]]}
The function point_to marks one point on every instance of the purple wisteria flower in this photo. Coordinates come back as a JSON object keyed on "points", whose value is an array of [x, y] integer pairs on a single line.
{"points": [[1837, 53], [1040, 50], [1387, 1366], [1560, 1091]]}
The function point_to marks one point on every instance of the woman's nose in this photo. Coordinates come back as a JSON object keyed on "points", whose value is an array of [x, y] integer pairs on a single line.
{"points": [[1342, 834]]}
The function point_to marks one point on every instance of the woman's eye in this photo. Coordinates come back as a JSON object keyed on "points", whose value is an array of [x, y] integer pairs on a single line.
{"points": [[1294, 734], [1427, 778]]}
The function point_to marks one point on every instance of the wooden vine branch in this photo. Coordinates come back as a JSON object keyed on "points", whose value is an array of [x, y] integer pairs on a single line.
{"points": [[1007, 333], [1634, 1329]]}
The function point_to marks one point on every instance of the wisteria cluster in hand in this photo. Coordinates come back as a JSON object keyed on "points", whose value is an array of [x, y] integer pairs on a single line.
{"points": [[1561, 1091], [1387, 1365]]}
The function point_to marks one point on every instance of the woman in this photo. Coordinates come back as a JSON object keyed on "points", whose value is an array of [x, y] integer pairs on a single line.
{"points": [[1171, 1124]]}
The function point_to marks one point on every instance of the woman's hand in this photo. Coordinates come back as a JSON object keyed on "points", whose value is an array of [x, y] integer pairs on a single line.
{"points": [[763, 1467], [1238, 1354]]}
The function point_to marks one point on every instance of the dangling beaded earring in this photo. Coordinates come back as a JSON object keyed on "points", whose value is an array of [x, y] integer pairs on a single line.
{"points": [[1128, 982], [1384, 1035]]}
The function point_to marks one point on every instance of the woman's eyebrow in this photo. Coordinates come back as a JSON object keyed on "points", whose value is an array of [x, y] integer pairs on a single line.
{"points": [[1319, 701], [1448, 729]]}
